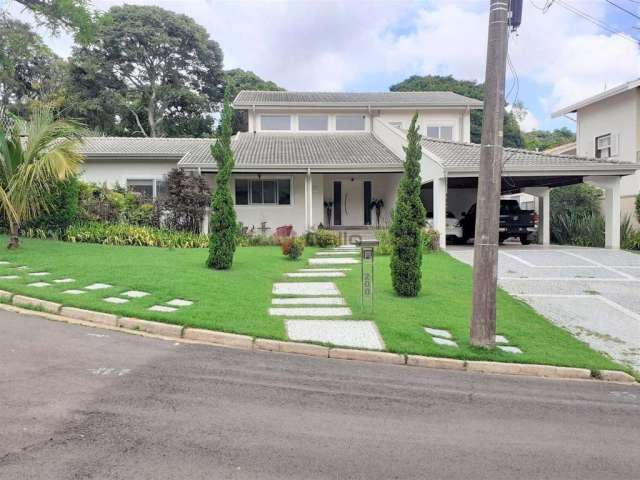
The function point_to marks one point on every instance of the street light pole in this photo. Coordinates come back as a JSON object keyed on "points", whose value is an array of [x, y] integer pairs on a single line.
{"points": [[485, 259]]}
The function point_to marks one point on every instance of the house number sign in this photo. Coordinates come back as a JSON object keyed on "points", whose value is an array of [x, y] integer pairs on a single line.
{"points": [[366, 265]]}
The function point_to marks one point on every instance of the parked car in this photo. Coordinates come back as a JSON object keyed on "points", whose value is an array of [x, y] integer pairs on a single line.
{"points": [[454, 229], [514, 222]]}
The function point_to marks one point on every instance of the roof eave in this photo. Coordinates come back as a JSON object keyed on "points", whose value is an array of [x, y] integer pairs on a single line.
{"points": [[596, 98]]}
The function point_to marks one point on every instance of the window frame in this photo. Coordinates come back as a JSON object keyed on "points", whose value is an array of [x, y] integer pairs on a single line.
{"points": [[339, 115], [262, 179], [440, 126], [316, 115], [154, 183], [271, 115], [598, 151]]}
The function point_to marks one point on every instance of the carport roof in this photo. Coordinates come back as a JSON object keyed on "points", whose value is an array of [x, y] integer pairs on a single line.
{"points": [[458, 157]]}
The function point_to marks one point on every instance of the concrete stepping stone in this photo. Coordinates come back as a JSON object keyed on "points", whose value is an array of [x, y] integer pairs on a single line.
{"points": [[2, 262], [436, 332], [445, 342], [309, 301], [98, 286], [501, 339], [344, 333], [115, 300], [336, 269], [22, 267], [74, 292], [39, 274], [9, 277], [336, 253], [39, 284], [64, 280], [333, 261], [314, 274], [178, 302], [310, 311], [134, 294], [347, 247], [306, 289], [162, 308], [509, 349]]}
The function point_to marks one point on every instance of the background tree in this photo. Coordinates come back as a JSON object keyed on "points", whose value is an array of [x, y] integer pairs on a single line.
{"points": [[236, 80], [156, 73], [409, 218], [541, 140], [223, 226], [437, 83], [31, 166], [68, 15], [30, 73]]}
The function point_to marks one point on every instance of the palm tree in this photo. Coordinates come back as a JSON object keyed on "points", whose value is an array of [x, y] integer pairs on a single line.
{"points": [[34, 156]]}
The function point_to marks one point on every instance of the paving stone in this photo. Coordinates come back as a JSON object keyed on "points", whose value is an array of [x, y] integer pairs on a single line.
{"points": [[74, 292], [22, 267], [365, 356], [9, 277], [509, 349], [309, 301], [220, 338], [39, 274], [162, 308], [89, 316], [115, 300], [44, 305], [2, 262], [135, 294], [291, 347], [435, 362], [445, 342], [98, 286], [178, 302], [310, 312], [335, 269], [338, 253], [345, 333], [436, 332], [501, 339], [306, 289], [157, 328], [333, 261], [39, 284], [314, 274], [64, 280]]}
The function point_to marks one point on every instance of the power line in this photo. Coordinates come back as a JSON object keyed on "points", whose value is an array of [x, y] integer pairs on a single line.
{"points": [[623, 9]]}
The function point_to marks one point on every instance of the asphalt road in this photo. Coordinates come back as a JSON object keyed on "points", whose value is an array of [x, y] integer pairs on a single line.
{"points": [[77, 402]]}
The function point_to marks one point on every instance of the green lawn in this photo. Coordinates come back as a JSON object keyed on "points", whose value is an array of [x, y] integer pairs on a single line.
{"points": [[237, 300]]}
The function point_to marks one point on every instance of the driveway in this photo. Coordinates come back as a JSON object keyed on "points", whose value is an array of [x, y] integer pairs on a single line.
{"points": [[79, 402], [592, 292]]}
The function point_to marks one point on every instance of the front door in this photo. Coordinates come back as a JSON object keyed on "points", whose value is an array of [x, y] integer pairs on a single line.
{"points": [[351, 204]]}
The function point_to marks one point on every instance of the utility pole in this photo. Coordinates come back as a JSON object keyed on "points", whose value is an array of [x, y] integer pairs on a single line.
{"points": [[485, 251]]}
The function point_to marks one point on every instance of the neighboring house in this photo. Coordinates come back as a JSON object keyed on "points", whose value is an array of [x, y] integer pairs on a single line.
{"points": [[305, 150], [608, 127]]}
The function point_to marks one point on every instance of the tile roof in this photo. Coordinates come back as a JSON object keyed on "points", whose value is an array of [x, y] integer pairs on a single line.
{"points": [[297, 150], [457, 156], [127, 147], [248, 98]]}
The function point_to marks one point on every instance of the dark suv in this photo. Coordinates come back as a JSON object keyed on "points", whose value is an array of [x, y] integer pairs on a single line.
{"points": [[514, 222]]}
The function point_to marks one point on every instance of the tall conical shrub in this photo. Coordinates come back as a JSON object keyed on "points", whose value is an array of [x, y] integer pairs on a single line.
{"points": [[409, 218], [222, 227]]}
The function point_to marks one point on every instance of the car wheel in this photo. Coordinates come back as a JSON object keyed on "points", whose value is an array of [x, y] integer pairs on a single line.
{"points": [[524, 240]]}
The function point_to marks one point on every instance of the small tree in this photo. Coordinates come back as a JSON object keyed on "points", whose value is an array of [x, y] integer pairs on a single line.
{"points": [[409, 218], [186, 201], [223, 227]]}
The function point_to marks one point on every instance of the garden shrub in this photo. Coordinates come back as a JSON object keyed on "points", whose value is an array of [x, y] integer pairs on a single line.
{"points": [[430, 240], [257, 240], [116, 205], [186, 201], [63, 210], [385, 243], [322, 238], [576, 218], [638, 207], [408, 220], [631, 241], [292, 247], [125, 234]]}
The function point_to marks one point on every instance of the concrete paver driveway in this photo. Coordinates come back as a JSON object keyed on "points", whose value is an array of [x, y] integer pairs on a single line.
{"points": [[592, 292]]}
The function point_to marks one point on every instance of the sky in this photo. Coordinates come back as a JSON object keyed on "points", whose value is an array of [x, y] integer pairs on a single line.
{"points": [[351, 45]]}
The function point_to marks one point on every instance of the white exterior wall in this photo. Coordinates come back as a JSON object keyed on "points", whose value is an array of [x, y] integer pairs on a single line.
{"points": [[458, 119], [618, 115], [118, 171]]}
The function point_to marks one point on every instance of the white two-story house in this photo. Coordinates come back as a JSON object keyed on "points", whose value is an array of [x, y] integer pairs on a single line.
{"points": [[311, 159], [608, 127]]}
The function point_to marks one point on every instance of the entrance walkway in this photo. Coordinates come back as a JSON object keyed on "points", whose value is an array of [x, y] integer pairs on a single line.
{"points": [[592, 292]]}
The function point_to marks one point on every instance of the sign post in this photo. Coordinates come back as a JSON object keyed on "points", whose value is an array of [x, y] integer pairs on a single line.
{"points": [[367, 248]]}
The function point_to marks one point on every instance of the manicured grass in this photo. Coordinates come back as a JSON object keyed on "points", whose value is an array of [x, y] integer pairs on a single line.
{"points": [[232, 301], [445, 302], [238, 300]]}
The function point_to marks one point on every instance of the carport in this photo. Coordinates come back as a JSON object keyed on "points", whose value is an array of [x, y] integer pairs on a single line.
{"points": [[450, 170]]}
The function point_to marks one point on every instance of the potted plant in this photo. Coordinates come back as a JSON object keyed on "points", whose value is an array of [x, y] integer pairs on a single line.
{"points": [[329, 208], [378, 204]]}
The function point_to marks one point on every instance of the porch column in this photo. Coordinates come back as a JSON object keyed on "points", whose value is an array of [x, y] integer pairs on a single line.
{"points": [[544, 212], [440, 209], [610, 208], [308, 201]]}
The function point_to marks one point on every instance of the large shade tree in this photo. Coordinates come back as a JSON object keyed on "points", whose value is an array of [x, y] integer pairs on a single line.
{"points": [[64, 15], [149, 72], [34, 157], [30, 73]]}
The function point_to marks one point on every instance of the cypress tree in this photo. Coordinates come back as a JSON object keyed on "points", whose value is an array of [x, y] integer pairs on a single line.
{"points": [[409, 218], [222, 227]]}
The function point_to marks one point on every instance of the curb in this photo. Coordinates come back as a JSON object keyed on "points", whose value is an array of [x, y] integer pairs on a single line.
{"points": [[58, 312]]}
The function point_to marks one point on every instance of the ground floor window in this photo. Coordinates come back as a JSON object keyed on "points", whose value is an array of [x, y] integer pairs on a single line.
{"points": [[263, 192], [147, 187]]}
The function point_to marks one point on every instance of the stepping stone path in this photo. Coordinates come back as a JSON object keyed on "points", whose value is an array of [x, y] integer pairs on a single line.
{"points": [[74, 292], [39, 274], [162, 308], [509, 349], [115, 300], [98, 286], [178, 302], [39, 284], [441, 337], [315, 305], [134, 294], [64, 280], [9, 277]]}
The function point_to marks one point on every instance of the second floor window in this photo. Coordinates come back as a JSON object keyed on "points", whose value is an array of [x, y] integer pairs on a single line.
{"points": [[313, 122], [603, 146], [275, 122], [350, 122], [441, 132]]}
